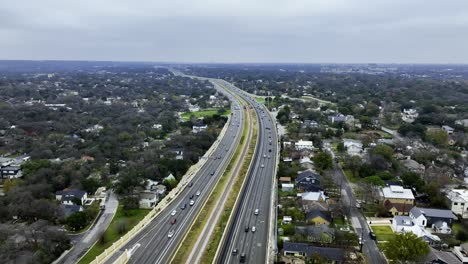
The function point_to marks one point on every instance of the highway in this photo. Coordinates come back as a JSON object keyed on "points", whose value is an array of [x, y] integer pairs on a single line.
{"points": [[256, 194], [154, 243]]}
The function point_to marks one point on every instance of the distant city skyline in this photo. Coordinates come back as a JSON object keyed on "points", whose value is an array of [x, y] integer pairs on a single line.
{"points": [[210, 31]]}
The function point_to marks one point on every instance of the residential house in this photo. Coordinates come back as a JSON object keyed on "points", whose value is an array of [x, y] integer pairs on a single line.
{"points": [[287, 159], [160, 190], [397, 200], [461, 252], [319, 217], [169, 177], [459, 202], [287, 187], [448, 129], [11, 172], [157, 126], [294, 249], [313, 196], [309, 124], [401, 224], [462, 122], [353, 147], [151, 185], [284, 179], [304, 144], [413, 166], [71, 196], [438, 219], [287, 219], [199, 127], [409, 115], [307, 178], [179, 154], [317, 233], [148, 199], [306, 162], [337, 118], [65, 210]]}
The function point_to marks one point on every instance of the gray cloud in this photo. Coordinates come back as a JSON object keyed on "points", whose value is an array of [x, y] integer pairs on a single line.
{"points": [[397, 31]]}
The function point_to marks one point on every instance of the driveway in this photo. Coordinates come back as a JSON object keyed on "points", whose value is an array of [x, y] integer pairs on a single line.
{"points": [[86, 240]]}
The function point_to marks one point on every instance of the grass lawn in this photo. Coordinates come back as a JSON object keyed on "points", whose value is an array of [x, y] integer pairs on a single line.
{"points": [[203, 113], [349, 176], [383, 233], [129, 217], [260, 100]]}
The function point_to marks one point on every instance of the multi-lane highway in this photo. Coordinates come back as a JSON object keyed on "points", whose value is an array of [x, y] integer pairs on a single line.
{"points": [[246, 238], [157, 242]]}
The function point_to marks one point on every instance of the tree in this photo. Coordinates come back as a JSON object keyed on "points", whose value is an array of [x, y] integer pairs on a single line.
{"points": [[76, 221], [412, 179], [341, 147], [353, 164], [438, 138], [374, 180], [384, 151], [406, 247], [323, 161], [90, 185]]}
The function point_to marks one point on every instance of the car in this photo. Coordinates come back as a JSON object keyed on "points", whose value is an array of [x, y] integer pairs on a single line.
{"points": [[262, 166], [264, 155], [182, 207], [256, 211], [198, 193], [170, 234], [253, 229], [242, 258], [269, 156], [190, 184], [174, 212], [234, 252], [173, 221], [212, 173], [269, 150], [246, 229], [372, 235], [192, 202], [358, 205]]}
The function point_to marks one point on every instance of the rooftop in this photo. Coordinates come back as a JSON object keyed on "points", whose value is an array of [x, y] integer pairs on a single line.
{"points": [[417, 211], [397, 192]]}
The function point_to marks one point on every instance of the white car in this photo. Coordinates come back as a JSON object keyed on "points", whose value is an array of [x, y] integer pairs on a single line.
{"points": [[198, 193], [256, 211], [262, 166], [253, 229], [174, 212], [170, 234], [192, 202]]}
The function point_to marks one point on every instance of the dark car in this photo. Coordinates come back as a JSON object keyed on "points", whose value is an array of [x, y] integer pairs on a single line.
{"points": [[246, 229], [173, 221], [212, 173], [372, 235], [242, 258], [191, 197], [234, 252], [183, 206], [190, 184]]}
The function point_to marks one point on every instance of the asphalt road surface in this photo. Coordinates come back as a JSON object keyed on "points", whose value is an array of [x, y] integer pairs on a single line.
{"points": [[370, 249], [154, 244], [256, 194]]}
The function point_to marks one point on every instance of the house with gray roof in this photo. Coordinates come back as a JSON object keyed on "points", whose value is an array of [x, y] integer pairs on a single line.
{"points": [[317, 233], [293, 249], [438, 219]]}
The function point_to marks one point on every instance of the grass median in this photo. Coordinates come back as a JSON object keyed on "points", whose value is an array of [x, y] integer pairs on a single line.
{"points": [[123, 221], [190, 239]]}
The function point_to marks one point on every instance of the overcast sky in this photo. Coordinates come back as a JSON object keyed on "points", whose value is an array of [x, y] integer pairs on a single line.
{"points": [[311, 31]]}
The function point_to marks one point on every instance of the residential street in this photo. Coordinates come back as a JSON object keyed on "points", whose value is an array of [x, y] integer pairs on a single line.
{"points": [[370, 249], [86, 240]]}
